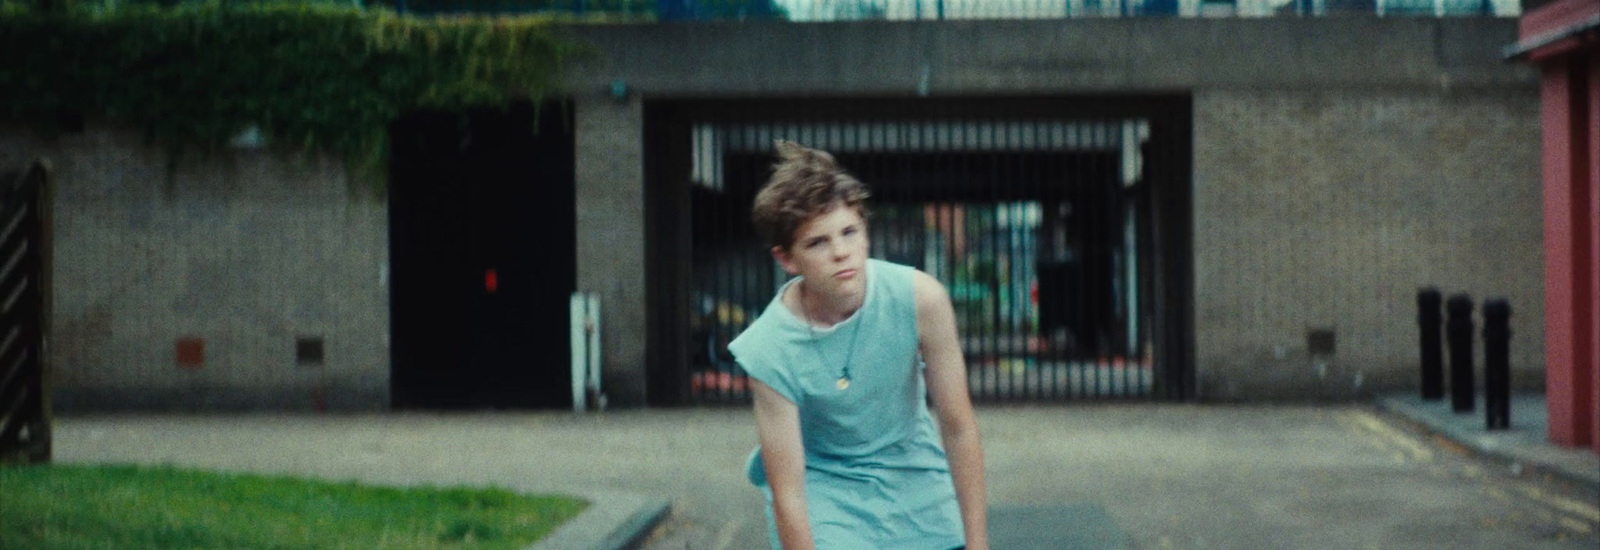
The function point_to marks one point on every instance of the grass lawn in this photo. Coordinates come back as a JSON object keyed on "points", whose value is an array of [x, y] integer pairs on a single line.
{"points": [[61, 507]]}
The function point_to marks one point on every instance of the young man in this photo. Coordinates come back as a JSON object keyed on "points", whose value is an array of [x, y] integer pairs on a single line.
{"points": [[843, 362]]}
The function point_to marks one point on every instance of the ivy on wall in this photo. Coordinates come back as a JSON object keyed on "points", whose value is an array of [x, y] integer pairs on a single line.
{"points": [[320, 78]]}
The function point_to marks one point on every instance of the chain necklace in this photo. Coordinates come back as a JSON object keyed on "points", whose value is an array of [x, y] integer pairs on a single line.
{"points": [[844, 373]]}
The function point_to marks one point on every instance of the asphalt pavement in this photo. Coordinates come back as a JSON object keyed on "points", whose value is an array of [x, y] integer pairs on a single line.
{"points": [[1085, 476]]}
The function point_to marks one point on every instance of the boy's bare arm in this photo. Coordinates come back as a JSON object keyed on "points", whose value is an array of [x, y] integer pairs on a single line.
{"points": [[783, 456], [947, 386]]}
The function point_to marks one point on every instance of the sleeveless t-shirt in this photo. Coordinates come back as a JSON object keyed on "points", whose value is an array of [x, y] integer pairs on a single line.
{"points": [[876, 475]]}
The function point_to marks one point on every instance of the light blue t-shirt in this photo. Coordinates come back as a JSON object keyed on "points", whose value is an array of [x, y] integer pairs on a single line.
{"points": [[876, 475]]}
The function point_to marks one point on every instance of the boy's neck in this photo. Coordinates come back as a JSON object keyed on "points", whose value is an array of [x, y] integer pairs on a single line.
{"points": [[822, 309]]}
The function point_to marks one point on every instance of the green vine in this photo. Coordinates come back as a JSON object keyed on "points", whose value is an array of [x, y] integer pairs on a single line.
{"points": [[317, 78]]}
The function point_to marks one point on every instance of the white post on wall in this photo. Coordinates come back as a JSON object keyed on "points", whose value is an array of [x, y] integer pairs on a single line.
{"points": [[593, 329], [585, 351], [579, 349]]}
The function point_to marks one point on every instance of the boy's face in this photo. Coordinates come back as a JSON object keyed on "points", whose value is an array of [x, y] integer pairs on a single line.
{"points": [[829, 250]]}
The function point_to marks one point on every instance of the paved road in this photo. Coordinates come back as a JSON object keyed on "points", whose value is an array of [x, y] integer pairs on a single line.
{"points": [[1134, 476]]}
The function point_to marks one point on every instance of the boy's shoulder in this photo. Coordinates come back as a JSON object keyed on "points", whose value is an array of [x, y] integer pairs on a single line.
{"points": [[763, 329], [891, 270]]}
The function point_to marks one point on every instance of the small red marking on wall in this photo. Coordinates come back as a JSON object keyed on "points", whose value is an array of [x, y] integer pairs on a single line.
{"points": [[191, 353], [491, 281]]}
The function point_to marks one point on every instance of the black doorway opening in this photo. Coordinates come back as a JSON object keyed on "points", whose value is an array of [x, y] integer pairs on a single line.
{"points": [[483, 258]]}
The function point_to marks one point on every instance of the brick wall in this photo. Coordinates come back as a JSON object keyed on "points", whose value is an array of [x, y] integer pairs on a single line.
{"points": [[247, 252], [1329, 209]]}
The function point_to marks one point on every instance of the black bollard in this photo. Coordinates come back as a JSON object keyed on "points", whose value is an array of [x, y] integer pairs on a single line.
{"points": [[1430, 320], [1497, 364], [1458, 329]]}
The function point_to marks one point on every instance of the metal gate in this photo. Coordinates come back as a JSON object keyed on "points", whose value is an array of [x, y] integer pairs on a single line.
{"points": [[24, 412], [1043, 222]]}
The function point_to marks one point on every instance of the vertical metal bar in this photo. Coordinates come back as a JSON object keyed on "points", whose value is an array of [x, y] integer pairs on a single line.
{"points": [[1016, 278], [1082, 235], [1162, 158], [981, 251], [988, 151], [1037, 159], [1141, 239], [1058, 141], [1046, 152], [1014, 257], [1067, 138], [709, 282], [745, 260], [1028, 138], [1039, 188], [1138, 212], [1128, 342], [1005, 155], [1014, 262], [697, 269], [717, 292], [1126, 140], [1159, 267], [1063, 136], [1150, 155], [1094, 263], [1074, 133], [705, 279], [1081, 214], [1088, 285], [758, 290], [974, 211], [1105, 269], [730, 256], [738, 258]]}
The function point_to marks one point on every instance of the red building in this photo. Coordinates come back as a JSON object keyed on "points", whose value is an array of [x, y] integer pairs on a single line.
{"points": [[1562, 39]]}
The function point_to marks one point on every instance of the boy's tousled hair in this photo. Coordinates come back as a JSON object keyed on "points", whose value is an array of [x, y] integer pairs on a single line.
{"points": [[805, 183]]}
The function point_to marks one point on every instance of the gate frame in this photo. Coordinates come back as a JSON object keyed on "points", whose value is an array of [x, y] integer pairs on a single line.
{"points": [[667, 165], [40, 447]]}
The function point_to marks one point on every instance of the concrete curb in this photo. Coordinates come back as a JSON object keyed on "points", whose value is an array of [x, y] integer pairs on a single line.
{"points": [[1525, 447], [613, 521]]}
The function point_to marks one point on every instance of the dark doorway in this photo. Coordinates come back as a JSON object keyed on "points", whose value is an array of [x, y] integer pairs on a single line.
{"points": [[482, 249]]}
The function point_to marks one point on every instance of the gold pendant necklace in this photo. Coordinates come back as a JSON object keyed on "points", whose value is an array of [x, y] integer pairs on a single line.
{"points": [[843, 383]]}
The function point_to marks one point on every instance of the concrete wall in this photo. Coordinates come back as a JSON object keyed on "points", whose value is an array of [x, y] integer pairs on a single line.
{"points": [[611, 225], [741, 59], [248, 252], [1340, 163]]}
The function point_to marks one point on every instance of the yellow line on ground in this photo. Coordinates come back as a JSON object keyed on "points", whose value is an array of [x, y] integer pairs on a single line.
{"points": [[1575, 525], [725, 536], [1391, 435], [1581, 509]]}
